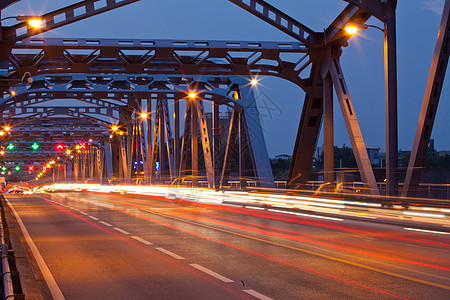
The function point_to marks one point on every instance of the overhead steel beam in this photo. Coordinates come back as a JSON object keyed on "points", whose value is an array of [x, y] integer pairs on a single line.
{"points": [[158, 57], [429, 105], [64, 16], [278, 19]]}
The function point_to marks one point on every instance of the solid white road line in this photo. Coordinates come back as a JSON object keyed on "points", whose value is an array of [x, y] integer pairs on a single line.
{"points": [[257, 295], [121, 230], [142, 240], [94, 218], [176, 256], [105, 223], [427, 231], [211, 273], [48, 277]]}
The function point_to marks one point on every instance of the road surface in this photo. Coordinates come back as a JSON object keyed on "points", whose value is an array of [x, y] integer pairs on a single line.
{"points": [[112, 246]]}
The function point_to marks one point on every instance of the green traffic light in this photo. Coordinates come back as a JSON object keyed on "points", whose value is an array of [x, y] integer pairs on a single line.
{"points": [[11, 146], [35, 146], [4, 168], [17, 168]]}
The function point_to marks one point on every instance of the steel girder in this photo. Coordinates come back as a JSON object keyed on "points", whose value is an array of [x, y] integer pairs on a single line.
{"points": [[278, 19], [61, 17], [146, 57], [429, 105]]}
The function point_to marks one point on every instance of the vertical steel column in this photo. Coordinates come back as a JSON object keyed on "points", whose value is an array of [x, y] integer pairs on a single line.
{"points": [[328, 132], [194, 142], [148, 142], [162, 142], [177, 145], [216, 143], [390, 71], [185, 142], [429, 105], [169, 139], [242, 150], [92, 162], [229, 150], [308, 132], [109, 160], [154, 152]]}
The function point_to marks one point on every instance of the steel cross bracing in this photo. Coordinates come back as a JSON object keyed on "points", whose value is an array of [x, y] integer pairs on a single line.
{"points": [[211, 57], [63, 16], [218, 57], [116, 90]]}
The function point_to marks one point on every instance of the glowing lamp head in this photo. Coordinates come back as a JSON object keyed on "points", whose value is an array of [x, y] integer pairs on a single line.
{"points": [[35, 23], [7, 128], [13, 93], [144, 115], [114, 128], [254, 81], [2, 133], [351, 29], [192, 95], [2, 152]]}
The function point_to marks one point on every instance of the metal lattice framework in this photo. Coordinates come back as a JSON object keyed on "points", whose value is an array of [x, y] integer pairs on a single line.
{"points": [[156, 69]]}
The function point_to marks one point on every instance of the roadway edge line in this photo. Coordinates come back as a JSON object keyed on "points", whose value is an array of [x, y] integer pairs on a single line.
{"points": [[48, 277]]}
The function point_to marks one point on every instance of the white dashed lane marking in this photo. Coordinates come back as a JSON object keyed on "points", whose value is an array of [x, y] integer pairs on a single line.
{"points": [[176, 256], [211, 273], [257, 295], [94, 218], [105, 223], [142, 240], [121, 230]]}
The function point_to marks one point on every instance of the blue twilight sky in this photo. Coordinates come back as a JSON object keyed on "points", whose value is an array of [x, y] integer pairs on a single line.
{"points": [[280, 102]]}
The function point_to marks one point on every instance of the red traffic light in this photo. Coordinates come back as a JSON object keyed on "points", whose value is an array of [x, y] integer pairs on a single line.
{"points": [[30, 168], [82, 146], [60, 147]]}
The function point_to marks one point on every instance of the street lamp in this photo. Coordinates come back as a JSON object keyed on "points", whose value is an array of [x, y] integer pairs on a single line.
{"points": [[390, 77], [33, 21], [353, 28]]}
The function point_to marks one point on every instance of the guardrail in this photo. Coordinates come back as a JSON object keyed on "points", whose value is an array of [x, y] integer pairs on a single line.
{"points": [[7, 288]]}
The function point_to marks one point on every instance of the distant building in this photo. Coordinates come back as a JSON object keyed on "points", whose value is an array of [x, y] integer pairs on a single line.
{"points": [[444, 152]]}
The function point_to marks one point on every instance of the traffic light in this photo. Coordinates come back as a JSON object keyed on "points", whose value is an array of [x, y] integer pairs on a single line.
{"points": [[17, 168], [11, 146], [4, 168], [35, 146], [60, 147], [30, 168], [82, 146]]}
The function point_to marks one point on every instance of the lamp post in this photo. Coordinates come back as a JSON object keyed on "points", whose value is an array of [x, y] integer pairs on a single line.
{"points": [[390, 77]]}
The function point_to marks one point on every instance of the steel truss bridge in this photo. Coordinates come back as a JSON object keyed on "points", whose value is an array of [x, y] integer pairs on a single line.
{"points": [[138, 109]]}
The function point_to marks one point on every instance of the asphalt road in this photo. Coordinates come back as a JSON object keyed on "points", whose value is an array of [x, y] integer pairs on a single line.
{"points": [[111, 246]]}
